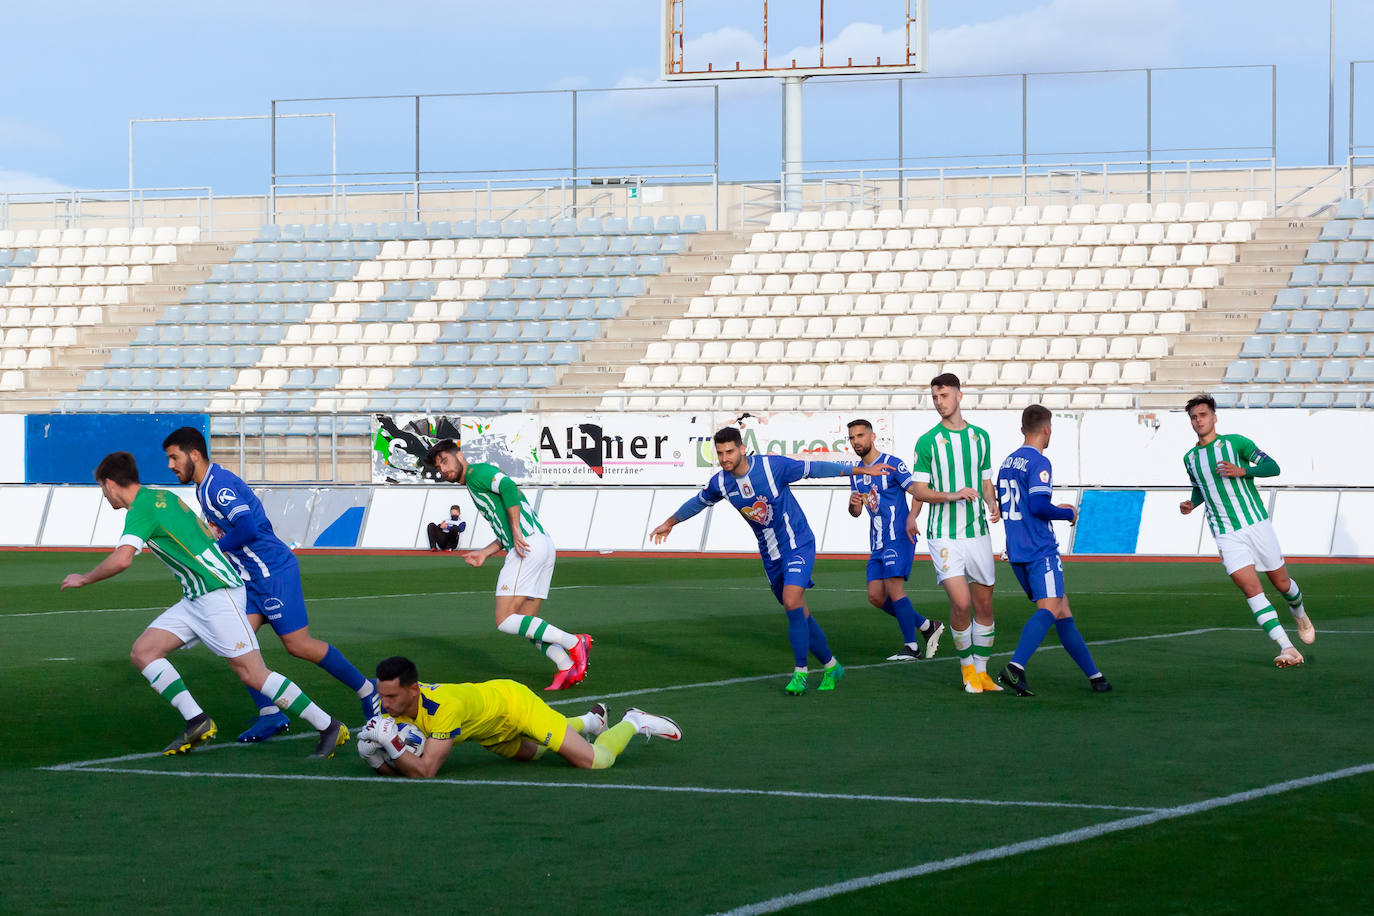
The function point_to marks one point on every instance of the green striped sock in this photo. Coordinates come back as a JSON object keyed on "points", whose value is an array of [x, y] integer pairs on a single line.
{"points": [[963, 644], [290, 699], [982, 644], [164, 679], [1294, 598], [1268, 619]]}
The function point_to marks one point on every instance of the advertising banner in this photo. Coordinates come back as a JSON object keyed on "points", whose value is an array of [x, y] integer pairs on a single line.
{"points": [[400, 441], [622, 448]]}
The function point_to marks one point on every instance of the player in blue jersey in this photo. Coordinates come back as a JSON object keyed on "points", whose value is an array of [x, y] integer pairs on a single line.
{"points": [[759, 487], [268, 568], [891, 541], [1024, 485]]}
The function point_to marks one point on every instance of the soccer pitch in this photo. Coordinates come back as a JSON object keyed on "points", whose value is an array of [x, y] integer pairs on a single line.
{"points": [[1207, 781]]}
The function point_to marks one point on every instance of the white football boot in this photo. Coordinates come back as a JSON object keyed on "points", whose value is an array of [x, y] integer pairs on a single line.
{"points": [[652, 726]]}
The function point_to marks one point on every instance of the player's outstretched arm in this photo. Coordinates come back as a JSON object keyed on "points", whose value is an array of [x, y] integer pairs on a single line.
{"points": [[478, 557], [925, 494], [426, 766], [114, 564], [660, 534]]}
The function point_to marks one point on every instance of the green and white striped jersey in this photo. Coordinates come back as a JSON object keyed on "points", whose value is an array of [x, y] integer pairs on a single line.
{"points": [[160, 521], [949, 460], [494, 493], [1232, 503]]}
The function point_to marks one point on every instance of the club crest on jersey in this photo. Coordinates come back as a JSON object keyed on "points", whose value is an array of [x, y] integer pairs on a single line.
{"points": [[1044, 476], [759, 512], [225, 496], [746, 489]]}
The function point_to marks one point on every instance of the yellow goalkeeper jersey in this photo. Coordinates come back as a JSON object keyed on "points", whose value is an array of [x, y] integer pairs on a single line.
{"points": [[478, 712]]}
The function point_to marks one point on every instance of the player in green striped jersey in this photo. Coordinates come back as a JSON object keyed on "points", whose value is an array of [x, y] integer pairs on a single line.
{"points": [[211, 609], [954, 474], [1223, 471], [524, 581]]}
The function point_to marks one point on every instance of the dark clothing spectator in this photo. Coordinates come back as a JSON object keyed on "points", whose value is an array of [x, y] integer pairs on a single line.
{"points": [[444, 535]]}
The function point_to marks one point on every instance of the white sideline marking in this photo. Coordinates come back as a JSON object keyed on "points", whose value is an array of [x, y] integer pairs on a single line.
{"points": [[690, 790], [1066, 838]]}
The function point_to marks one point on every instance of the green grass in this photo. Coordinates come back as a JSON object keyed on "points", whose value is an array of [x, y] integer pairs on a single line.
{"points": [[1193, 717]]}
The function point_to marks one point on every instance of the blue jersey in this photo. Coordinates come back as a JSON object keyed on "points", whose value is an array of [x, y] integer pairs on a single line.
{"points": [[765, 500], [225, 499], [885, 499], [1025, 474]]}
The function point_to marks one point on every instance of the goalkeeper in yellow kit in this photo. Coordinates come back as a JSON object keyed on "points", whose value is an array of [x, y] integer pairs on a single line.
{"points": [[505, 717]]}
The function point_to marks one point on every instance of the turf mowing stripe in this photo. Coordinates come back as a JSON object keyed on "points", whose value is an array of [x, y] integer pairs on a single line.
{"points": [[1066, 838], [690, 790]]}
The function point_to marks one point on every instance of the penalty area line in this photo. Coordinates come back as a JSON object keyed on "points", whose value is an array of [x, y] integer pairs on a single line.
{"points": [[1067, 838]]}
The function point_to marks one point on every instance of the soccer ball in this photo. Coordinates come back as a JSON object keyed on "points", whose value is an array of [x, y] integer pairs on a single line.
{"points": [[414, 738]]}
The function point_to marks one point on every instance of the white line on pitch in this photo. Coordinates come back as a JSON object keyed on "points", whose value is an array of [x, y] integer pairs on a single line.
{"points": [[1066, 838], [687, 790]]}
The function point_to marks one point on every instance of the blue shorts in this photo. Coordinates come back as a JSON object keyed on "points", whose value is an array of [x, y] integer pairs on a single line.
{"points": [[892, 562], [1042, 578], [792, 568], [279, 598]]}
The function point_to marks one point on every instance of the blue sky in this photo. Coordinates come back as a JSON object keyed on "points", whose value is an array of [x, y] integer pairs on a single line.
{"points": [[79, 70]]}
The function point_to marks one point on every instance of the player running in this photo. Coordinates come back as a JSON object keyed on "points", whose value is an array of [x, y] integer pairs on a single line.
{"points": [[760, 488], [210, 611], [1025, 482], [269, 568], [1222, 469], [953, 468], [524, 581], [505, 717], [891, 541]]}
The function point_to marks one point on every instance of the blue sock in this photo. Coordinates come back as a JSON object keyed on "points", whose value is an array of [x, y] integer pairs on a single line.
{"points": [[907, 618], [342, 669], [798, 635], [1032, 634], [1075, 646], [261, 701], [889, 609], [819, 647]]}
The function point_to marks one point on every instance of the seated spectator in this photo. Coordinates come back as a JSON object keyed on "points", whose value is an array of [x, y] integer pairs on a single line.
{"points": [[444, 535]]}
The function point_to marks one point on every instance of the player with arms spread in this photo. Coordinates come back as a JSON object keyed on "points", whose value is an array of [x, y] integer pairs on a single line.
{"points": [[760, 488], [953, 470], [1223, 471], [269, 568], [524, 581], [891, 541], [210, 611], [505, 717], [1025, 483]]}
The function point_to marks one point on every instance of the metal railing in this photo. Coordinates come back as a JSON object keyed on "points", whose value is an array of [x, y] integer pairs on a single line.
{"points": [[128, 207]]}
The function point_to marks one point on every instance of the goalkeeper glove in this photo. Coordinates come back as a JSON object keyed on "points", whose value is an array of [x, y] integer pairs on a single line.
{"points": [[371, 751]]}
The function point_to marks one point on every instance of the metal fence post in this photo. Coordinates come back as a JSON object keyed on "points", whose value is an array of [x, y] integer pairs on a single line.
{"points": [[1149, 137], [417, 158], [272, 187]]}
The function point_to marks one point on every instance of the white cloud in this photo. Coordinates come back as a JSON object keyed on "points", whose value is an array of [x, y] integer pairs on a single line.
{"points": [[17, 182]]}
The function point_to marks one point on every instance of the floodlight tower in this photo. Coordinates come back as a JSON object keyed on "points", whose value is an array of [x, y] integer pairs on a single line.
{"points": [[676, 67]]}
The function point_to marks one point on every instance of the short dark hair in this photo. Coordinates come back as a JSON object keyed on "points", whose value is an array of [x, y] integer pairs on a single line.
{"points": [[1034, 417], [398, 668], [1199, 399], [187, 438], [117, 467], [438, 448], [459, 508], [853, 423], [945, 380], [728, 434]]}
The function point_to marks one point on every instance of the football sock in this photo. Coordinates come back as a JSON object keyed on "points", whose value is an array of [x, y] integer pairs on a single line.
{"points": [[344, 672], [818, 645], [906, 617], [165, 680], [799, 635], [1032, 634], [1073, 643], [289, 698], [926, 626], [610, 743], [1268, 618], [537, 630], [963, 645], [982, 644], [1294, 598], [263, 702]]}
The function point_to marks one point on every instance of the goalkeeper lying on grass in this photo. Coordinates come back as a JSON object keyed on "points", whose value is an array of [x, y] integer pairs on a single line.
{"points": [[424, 721]]}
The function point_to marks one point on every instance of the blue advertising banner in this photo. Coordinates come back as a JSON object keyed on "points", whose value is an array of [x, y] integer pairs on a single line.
{"points": [[65, 448]]}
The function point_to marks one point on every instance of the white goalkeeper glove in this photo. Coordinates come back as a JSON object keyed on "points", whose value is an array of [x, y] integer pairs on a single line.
{"points": [[371, 751], [389, 737]]}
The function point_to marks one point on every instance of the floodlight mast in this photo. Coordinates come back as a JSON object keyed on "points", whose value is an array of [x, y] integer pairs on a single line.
{"points": [[674, 68]]}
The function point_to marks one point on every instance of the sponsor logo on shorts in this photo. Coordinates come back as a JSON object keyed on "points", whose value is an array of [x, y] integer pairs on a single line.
{"points": [[240, 645], [505, 588], [548, 738]]}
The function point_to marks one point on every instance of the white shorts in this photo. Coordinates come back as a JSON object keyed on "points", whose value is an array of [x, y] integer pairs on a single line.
{"points": [[967, 557], [1254, 545], [215, 618], [528, 576]]}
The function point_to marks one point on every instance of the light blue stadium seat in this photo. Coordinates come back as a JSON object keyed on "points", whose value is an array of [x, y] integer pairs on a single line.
{"points": [[589, 225], [503, 289], [549, 288], [620, 245], [197, 334], [513, 229], [194, 379], [340, 251], [651, 265], [1333, 371], [561, 330], [148, 334], [195, 293], [319, 292], [500, 310], [399, 311], [171, 379], [1305, 275], [527, 310], [1335, 231], [532, 331], [586, 330], [388, 231], [457, 355], [489, 404], [439, 229], [221, 377], [366, 249], [596, 267], [641, 225], [172, 314], [298, 379], [464, 228], [198, 355], [459, 377], [271, 333], [646, 245], [489, 229], [479, 311], [170, 357], [483, 355], [1352, 297], [1349, 208], [537, 228], [292, 251], [342, 271], [268, 233], [1362, 275], [504, 331], [608, 308], [1239, 371], [669, 224], [536, 354], [221, 273], [413, 229], [628, 287], [1318, 346], [1350, 346], [508, 355], [1286, 346], [1348, 398], [269, 272], [395, 290], [572, 267], [520, 267], [1272, 323], [144, 357], [1285, 399], [144, 380], [246, 356], [580, 309], [421, 290], [615, 225], [429, 354], [1334, 323], [563, 227], [1254, 348], [1362, 230], [120, 358], [517, 403], [431, 377], [293, 233], [6, 258], [543, 248], [453, 332], [545, 267], [554, 310], [326, 377], [514, 377], [120, 379], [248, 252], [1304, 322], [339, 232], [372, 311], [564, 354], [486, 377], [1335, 275], [1362, 371], [296, 312], [96, 379], [1350, 253], [1271, 371], [271, 292], [624, 266], [225, 334], [405, 378], [1318, 399], [694, 222]]}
